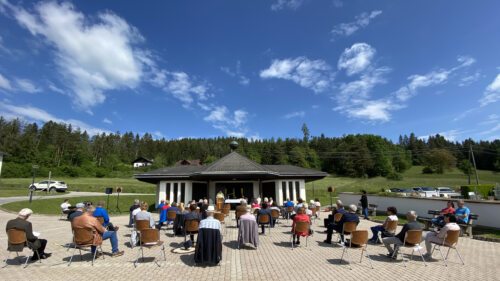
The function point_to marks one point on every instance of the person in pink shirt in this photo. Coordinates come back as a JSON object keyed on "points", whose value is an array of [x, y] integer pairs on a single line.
{"points": [[450, 209], [248, 215]]}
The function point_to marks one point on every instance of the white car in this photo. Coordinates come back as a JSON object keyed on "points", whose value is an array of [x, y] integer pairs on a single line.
{"points": [[447, 192], [425, 191], [58, 186]]}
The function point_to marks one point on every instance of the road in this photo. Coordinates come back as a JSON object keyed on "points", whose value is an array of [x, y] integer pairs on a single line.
{"points": [[4, 200]]}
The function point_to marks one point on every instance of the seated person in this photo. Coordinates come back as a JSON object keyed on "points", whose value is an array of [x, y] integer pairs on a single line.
{"points": [[143, 214], [308, 210], [264, 211], [274, 207], [65, 206], [350, 216], [87, 220], [209, 241], [192, 215], [248, 215], [35, 244], [462, 212], [182, 209], [132, 208], [288, 203], [255, 205], [299, 217], [450, 209], [80, 209], [391, 216], [240, 209], [338, 209], [438, 237], [173, 207], [398, 240], [100, 211]]}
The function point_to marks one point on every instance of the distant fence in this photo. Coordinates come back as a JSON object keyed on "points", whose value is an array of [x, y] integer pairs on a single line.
{"points": [[488, 211]]}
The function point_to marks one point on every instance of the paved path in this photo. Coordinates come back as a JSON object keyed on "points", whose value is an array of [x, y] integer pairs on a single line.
{"points": [[4, 200], [273, 260]]}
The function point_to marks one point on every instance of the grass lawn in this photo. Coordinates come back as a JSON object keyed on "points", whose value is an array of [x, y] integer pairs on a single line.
{"points": [[411, 178], [51, 206], [401, 219], [129, 185]]}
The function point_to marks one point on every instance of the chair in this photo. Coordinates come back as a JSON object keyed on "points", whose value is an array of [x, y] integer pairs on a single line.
{"points": [[101, 221], [275, 215], [300, 227], [190, 227], [238, 215], [225, 211], [288, 212], [171, 218], [413, 238], [150, 238], [83, 238], [222, 219], [264, 219], [348, 228], [359, 240], [138, 226], [17, 237], [313, 215], [391, 227], [450, 241], [248, 232]]}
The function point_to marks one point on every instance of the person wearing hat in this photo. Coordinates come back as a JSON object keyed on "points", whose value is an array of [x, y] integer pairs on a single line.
{"points": [[210, 221], [80, 209], [350, 216], [35, 244]]}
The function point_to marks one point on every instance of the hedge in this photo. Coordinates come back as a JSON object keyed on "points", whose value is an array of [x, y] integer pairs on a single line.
{"points": [[482, 189]]}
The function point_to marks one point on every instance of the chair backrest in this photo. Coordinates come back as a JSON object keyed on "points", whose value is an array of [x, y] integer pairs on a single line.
{"points": [[150, 236], [359, 237], [171, 215], [191, 225], [275, 214], [391, 226], [83, 236], [349, 227], [100, 219], [240, 213], [318, 208], [264, 218], [413, 237], [452, 237], [302, 226], [16, 236], [256, 211], [289, 209], [337, 217], [141, 224], [219, 216]]}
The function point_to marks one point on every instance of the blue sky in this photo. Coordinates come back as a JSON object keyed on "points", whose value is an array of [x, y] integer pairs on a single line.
{"points": [[256, 69]]}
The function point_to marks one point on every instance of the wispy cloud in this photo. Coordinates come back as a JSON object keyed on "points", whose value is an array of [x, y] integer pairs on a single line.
{"points": [[360, 21], [25, 85], [294, 114], [450, 135], [236, 73], [492, 92], [231, 123], [34, 114], [107, 121], [286, 4], [469, 79], [312, 74], [5, 83], [356, 59], [183, 88]]}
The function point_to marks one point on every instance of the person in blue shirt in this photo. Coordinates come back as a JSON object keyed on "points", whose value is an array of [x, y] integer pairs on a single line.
{"points": [[100, 211], [173, 207], [264, 211], [462, 212], [289, 203], [163, 213]]}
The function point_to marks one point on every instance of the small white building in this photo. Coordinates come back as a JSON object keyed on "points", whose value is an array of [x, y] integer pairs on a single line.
{"points": [[142, 162], [235, 175]]}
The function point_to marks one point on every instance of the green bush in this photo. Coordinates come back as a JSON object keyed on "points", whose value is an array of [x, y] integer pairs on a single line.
{"points": [[427, 170], [482, 189], [394, 176]]}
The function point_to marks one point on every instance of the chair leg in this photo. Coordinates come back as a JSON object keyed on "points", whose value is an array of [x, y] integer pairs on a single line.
{"points": [[348, 258], [26, 263], [342, 257], [72, 255], [93, 256], [362, 252], [6, 258], [442, 256], [137, 257], [368, 257], [459, 256], [142, 251], [422, 256], [447, 253]]}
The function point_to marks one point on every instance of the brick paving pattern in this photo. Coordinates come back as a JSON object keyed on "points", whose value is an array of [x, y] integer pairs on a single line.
{"points": [[274, 259]]}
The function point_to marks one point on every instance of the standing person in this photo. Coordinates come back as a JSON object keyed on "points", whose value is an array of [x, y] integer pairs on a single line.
{"points": [[35, 244], [438, 237], [364, 204], [398, 240], [163, 215], [132, 208], [101, 212]]}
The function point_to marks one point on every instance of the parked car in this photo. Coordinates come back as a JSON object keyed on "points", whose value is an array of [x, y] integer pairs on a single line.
{"points": [[447, 192], [58, 186], [426, 191]]}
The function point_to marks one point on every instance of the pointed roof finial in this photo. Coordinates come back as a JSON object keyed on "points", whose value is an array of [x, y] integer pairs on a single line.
{"points": [[233, 145]]}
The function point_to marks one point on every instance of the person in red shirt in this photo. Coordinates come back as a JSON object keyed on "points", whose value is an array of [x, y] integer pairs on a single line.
{"points": [[450, 209], [299, 217]]}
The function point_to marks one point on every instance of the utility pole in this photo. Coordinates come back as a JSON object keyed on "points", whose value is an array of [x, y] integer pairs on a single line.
{"points": [[475, 170], [470, 154]]}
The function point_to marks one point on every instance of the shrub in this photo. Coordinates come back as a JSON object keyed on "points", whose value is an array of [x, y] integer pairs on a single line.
{"points": [[482, 189], [394, 176], [427, 170]]}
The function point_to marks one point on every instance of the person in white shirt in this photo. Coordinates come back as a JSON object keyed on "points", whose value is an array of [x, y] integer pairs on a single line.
{"points": [[438, 237], [143, 214], [391, 216], [65, 206], [210, 222]]}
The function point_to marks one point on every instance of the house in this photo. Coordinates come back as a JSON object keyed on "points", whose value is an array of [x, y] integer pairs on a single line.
{"points": [[235, 175], [142, 162], [184, 162]]}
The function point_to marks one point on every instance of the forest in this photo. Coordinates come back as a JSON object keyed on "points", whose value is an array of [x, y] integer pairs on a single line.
{"points": [[69, 152]]}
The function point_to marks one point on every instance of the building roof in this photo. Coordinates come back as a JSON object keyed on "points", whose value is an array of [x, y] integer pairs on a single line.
{"points": [[141, 159], [232, 166], [195, 162]]}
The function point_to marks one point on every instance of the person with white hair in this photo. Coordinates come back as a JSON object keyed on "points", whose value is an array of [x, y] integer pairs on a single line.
{"points": [[350, 216], [397, 240], [35, 244], [132, 208]]}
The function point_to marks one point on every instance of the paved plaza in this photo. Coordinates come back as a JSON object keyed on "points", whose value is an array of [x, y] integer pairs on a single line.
{"points": [[273, 260]]}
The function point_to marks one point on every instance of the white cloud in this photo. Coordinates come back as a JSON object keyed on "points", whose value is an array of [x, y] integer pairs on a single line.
{"points": [[35, 114], [361, 88], [56, 89], [93, 54], [242, 79], [231, 123], [451, 135], [107, 121], [360, 21], [469, 79], [158, 135], [5, 83], [26, 85], [183, 88], [337, 3], [299, 114], [311, 74], [492, 93], [376, 110], [286, 4], [356, 59]]}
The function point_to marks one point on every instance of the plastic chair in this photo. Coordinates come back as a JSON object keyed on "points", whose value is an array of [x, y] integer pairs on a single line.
{"points": [[450, 241], [150, 238], [17, 237], [359, 240]]}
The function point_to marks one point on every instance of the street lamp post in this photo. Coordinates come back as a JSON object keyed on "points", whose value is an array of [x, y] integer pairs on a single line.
{"points": [[33, 173]]}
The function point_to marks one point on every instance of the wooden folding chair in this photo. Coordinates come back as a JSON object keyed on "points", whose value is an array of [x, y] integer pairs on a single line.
{"points": [[84, 238], [264, 219], [288, 212], [17, 237], [275, 215], [150, 238], [347, 229], [191, 227], [300, 227], [359, 240], [171, 215], [413, 238], [391, 228], [222, 219], [450, 241], [238, 214]]}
